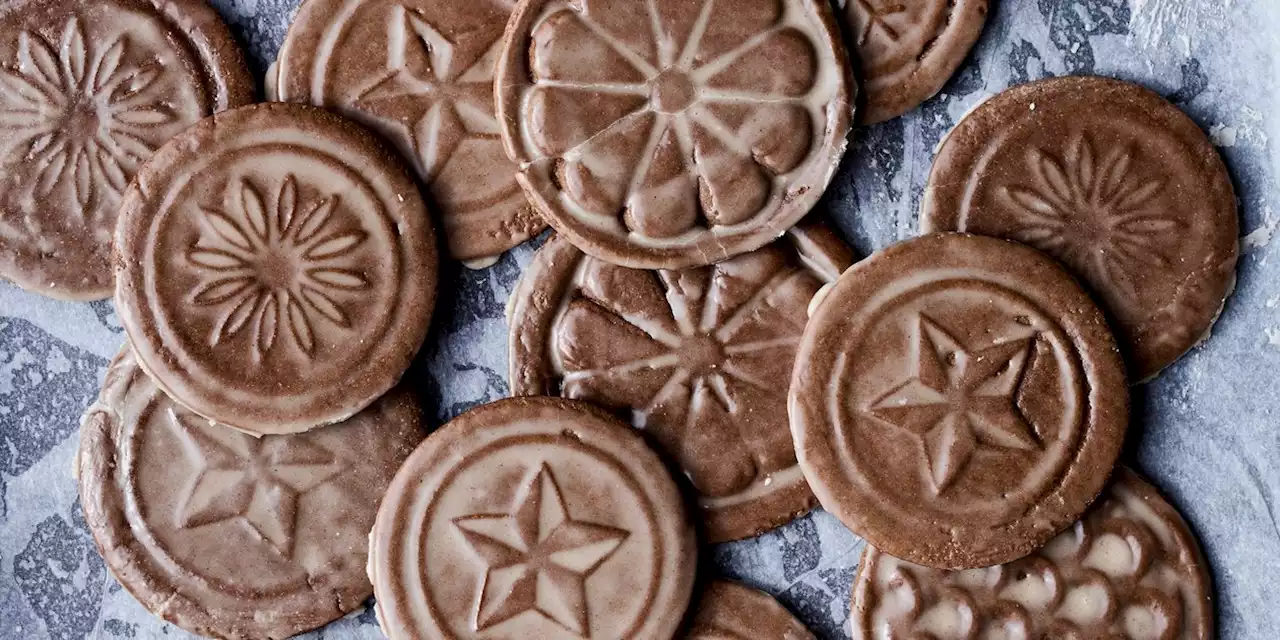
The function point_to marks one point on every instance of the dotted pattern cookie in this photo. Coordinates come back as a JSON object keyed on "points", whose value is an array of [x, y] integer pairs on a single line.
{"points": [[674, 134], [278, 272], [693, 358], [1129, 569], [227, 535], [957, 400], [88, 91]]}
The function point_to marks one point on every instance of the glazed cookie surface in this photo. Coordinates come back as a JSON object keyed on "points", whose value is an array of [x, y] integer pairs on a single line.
{"points": [[730, 611]]}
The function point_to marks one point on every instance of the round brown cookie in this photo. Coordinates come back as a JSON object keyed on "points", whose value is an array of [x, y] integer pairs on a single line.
{"points": [[230, 536], [674, 133], [908, 49], [1116, 183], [957, 400], [278, 271], [88, 90], [730, 611], [532, 518], [1129, 569], [421, 73], [697, 359]]}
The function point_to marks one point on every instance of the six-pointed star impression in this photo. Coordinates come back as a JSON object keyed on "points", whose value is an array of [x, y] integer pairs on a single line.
{"points": [[538, 557], [958, 400], [257, 480]]}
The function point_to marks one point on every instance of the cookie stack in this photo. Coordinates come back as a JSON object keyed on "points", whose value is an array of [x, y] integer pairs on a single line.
{"points": [[692, 358]]}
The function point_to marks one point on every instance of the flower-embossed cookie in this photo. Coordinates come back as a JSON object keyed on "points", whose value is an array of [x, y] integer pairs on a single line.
{"points": [[227, 535], [696, 358], [1115, 182], [277, 272], [421, 73], [1130, 568], [908, 49], [88, 90], [674, 133], [532, 518], [957, 400], [730, 611]]}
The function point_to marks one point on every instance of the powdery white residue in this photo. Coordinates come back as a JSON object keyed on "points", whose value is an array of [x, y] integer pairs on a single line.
{"points": [[1261, 237], [1155, 22], [1223, 136], [1273, 336]]}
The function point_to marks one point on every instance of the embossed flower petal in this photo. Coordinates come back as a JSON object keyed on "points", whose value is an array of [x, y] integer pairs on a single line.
{"points": [[734, 23], [109, 167], [286, 203], [236, 317], [74, 56], [221, 290], [82, 179], [634, 295], [315, 219], [599, 180], [779, 135], [227, 229], [628, 23], [1032, 205], [266, 325], [52, 166], [322, 304], [218, 260], [339, 278], [335, 245], [1050, 174], [710, 450], [253, 210], [686, 291], [1115, 167], [104, 70], [144, 116], [621, 389], [563, 119], [566, 49], [36, 59], [1136, 195], [784, 64], [759, 405], [14, 87], [300, 325], [665, 204], [676, 20], [131, 145], [731, 187], [757, 299], [131, 88], [589, 337]]}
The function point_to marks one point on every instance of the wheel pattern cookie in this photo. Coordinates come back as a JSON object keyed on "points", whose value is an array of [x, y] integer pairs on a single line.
{"points": [[88, 90], [693, 358], [278, 271], [1113, 181], [730, 611], [957, 400], [1130, 568], [674, 133], [227, 535], [908, 49], [420, 72], [532, 518]]}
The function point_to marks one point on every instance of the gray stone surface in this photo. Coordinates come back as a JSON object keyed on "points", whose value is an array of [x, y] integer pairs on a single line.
{"points": [[1207, 431]]}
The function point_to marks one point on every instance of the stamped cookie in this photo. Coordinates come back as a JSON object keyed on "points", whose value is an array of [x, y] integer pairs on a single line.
{"points": [[532, 518], [694, 358], [227, 535], [88, 90], [1129, 569], [420, 72], [730, 611], [908, 49], [278, 271], [674, 133], [957, 400], [1113, 181]]}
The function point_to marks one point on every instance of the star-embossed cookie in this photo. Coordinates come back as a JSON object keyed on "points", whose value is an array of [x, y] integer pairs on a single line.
{"points": [[691, 357], [532, 518], [1130, 568], [1113, 181], [227, 535], [908, 49], [957, 400], [421, 73], [88, 90], [278, 271], [730, 611], [674, 133]]}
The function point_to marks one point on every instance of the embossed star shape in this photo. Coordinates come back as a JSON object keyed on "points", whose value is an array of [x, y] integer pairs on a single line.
{"points": [[958, 400], [257, 481], [537, 557], [439, 89]]}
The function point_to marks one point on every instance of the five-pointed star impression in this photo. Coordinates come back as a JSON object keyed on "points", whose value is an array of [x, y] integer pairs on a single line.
{"points": [[255, 480], [438, 90], [537, 557], [957, 400]]}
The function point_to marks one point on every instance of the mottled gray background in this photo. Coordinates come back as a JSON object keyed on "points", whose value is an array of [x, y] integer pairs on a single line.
{"points": [[1206, 431]]}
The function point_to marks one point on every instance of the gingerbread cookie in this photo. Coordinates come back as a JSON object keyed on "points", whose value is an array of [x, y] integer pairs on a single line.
{"points": [[227, 535], [532, 518], [278, 271], [674, 134], [693, 358], [1129, 569], [730, 611], [420, 72], [957, 400], [88, 90], [1113, 181]]}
